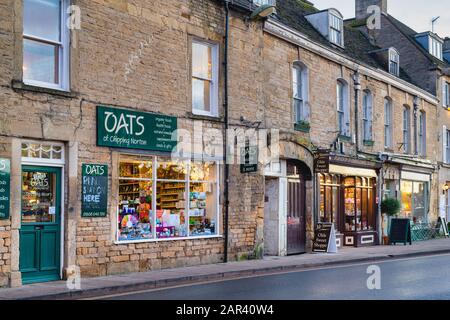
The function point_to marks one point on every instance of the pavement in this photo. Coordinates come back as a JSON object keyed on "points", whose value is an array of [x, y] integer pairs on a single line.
{"points": [[115, 284]]}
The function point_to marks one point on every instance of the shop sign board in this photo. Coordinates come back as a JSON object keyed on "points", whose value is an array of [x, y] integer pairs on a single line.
{"points": [[322, 161], [121, 128], [325, 238], [400, 231], [249, 159], [5, 187], [94, 190]]}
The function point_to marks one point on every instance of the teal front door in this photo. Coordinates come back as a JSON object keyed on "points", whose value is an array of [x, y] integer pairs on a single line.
{"points": [[41, 224]]}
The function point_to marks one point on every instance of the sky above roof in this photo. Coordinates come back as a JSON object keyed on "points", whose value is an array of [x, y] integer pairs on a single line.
{"points": [[417, 14]]}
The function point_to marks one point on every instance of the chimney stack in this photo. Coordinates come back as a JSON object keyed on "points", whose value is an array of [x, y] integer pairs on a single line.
{"points": [[362, 5]]}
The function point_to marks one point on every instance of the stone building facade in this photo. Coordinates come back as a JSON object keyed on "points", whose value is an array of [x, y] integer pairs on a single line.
{"points": [[136, 59]]}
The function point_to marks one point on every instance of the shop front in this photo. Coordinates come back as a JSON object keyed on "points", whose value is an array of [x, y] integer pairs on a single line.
{"points": [[347, 198], [414, 192]]}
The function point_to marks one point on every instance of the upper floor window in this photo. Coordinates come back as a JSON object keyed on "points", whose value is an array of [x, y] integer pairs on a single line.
{"points": [[300, 92], [343, 108], [394, 62], [435, 47], [388, 123], [263, 2], [336, 30], [406, 129], [45, 44], [367, 116], [422, 134], [446, 94], [205, 78], [446, 145]]}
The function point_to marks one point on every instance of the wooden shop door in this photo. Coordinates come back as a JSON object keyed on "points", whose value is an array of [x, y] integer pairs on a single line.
{"points": [[296, 224]]}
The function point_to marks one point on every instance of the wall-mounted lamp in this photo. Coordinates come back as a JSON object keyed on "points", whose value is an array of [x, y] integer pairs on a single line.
{"points": [[263, 11], [445, 187]]}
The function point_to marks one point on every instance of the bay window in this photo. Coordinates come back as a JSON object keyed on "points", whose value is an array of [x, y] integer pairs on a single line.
{"points": [[45, 44], [205, 78], [161, 198]]}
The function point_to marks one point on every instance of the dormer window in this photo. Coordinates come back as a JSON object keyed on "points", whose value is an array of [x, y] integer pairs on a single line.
{"points": [[336, 30], [330, 23], [394, 62], [263, 2], [432, 43]]}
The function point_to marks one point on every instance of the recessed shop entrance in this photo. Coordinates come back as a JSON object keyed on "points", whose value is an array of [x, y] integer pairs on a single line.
{"points": [[40, 224]]}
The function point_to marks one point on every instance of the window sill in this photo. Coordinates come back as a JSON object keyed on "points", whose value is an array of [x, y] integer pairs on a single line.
{"points": [[302, 127], [345, 138], [167, 239], [21, 86], [204, 117], [369, 143]]}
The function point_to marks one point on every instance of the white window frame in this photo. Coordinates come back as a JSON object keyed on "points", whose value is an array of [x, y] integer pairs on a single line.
{"points": [[343, 111], [63, 54], [406, 129], [264, 2], [336, 33], [435, 47], [214, 81], [394, 62], [446, 94], [187, 182], [422, 134], [302, 74], [368, 116], [44, 161], [388, 113]]}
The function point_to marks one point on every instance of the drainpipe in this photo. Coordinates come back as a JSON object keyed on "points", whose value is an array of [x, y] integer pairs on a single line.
{"points": [[225, 106], [415, 111], [357, 86]]}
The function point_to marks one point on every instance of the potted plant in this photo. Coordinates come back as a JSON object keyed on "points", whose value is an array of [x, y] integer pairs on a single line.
{"points": [[390, 207]]}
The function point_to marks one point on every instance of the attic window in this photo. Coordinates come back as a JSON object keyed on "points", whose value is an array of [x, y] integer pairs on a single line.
{"points": [[394, 62], [435, 47], [263, 2], [336, 30]]}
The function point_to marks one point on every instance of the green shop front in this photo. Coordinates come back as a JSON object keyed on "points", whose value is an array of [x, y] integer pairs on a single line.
{"points": [[157, 194]]}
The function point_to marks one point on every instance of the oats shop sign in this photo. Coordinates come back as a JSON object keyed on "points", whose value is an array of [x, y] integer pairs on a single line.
{"points": [[122, 128]]}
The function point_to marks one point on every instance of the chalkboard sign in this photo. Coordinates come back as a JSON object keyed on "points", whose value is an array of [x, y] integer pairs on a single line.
{"points": [[5, 187], [325, 238], [95, 190], [400, 231]]}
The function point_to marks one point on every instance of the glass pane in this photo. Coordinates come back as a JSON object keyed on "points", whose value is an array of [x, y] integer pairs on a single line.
{"points": [[46, 151], [136, 168], [419, 202], [322, 205], [350, 220], [201, 94], [336, 207], [364, 216], [406, 194], [205, 171], [328, 207], [57, 151], [38, 197], [358, 209], [135, 210], [171, 170], [202, 209], [201, 61], [40, 61], [170, 210], [41, 18]]}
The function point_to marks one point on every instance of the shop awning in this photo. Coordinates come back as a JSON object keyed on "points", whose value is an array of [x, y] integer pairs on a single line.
{"points": [[351, 171]]}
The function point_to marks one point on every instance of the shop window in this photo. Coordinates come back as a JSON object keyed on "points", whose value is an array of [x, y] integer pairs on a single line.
{"points": [[45, 43], [160, 198], [358, 203], [205, 57], [414, 197], [329, 199]]}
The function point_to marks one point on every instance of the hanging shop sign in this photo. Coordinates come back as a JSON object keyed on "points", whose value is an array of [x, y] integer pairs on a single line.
{"points": [[400, 231], [120, 128], [5, 187], [325, 238], [94, 190], [249, 159], [322, 161]]}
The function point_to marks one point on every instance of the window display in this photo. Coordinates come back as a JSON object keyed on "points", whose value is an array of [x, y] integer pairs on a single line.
{"points": [[414, 200], [161, 198], [329, 199]]}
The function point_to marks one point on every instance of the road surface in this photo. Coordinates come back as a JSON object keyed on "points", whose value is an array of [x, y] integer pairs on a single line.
{"points": [[414, 278]]}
